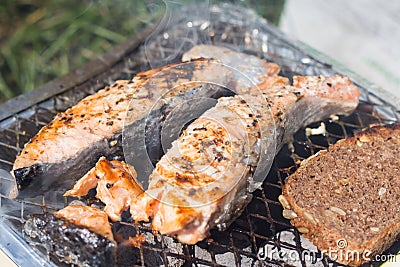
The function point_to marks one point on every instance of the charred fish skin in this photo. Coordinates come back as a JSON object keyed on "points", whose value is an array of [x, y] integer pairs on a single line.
{"points": [[69, 243]]}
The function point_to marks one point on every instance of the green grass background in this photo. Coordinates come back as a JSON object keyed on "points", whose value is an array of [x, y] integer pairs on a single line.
{"points": [[44, 39]]}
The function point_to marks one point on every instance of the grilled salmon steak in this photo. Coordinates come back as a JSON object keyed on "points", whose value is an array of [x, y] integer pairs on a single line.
{"points": [[206, 178]]}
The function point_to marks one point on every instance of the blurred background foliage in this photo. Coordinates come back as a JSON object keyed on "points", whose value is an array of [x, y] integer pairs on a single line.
{"points": [[44, 39]]}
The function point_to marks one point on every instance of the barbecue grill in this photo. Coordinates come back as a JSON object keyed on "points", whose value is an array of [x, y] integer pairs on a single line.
{"points": [[260, 236]]}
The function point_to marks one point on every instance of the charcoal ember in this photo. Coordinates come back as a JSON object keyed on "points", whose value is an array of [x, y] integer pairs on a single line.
{"points": [[69, 243]]}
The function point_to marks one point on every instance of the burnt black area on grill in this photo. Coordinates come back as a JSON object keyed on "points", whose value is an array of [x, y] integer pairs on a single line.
{"points": [[261, 224]]}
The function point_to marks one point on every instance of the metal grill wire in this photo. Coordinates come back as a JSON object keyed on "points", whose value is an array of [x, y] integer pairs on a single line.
{"points": [[261, 224]]}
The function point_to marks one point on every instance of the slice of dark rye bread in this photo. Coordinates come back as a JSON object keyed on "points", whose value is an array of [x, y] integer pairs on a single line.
{"points": [[346, 199]]}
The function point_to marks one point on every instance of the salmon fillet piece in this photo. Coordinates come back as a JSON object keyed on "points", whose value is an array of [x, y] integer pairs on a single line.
{"points": [[91, 218], [206, 178], [115, 184]]}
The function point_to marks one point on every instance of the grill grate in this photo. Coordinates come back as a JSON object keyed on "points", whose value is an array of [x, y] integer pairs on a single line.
{"points": [[261, 225]]}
